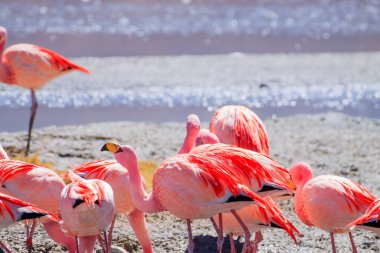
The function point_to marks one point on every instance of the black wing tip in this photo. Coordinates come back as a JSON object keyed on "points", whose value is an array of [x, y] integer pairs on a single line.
{"points": [[31, 215]]}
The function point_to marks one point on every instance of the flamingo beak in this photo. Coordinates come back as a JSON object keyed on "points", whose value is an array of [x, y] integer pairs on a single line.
{"points": [[112, 147]]}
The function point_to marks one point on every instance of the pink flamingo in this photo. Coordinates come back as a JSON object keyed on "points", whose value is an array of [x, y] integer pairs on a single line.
{"points": [[328, 202], [118, 178], [13, 210], [39, 186], [87, 209], [370, 220], [239, 126], [193, 186], [31, 67]]}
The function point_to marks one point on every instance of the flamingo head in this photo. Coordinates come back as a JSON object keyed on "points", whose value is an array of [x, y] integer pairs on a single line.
{"points": [[206, 137], [3, 34], [123, 154], [301, 173], [193, 124]]}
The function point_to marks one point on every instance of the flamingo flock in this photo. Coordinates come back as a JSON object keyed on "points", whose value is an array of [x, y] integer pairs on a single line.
{"points": [[223, 174]]}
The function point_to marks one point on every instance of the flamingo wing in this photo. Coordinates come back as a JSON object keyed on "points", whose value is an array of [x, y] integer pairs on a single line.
{"points": [[10, 168], [101, 169]]}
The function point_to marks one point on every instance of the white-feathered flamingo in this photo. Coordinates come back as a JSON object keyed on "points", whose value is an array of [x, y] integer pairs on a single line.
{"points": [[39, 186], [194, 186], [13, 210], [328, 202], [31, 67], [87, 209]]}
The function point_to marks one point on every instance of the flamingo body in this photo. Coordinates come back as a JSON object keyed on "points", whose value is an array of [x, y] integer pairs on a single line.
{"points": [[239, 126], [87, 206]]}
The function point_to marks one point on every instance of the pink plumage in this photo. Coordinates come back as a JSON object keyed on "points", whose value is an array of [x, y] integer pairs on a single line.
{"points": [[239, 126], [370, 219]]}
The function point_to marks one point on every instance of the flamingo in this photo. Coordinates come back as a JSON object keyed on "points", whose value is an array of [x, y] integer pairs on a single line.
{"points": [[117, 177], [239, 126], [13, 210], [31, 67], [39, 186], [328, 202], [87, 209], [370, 220], [194, 185]]}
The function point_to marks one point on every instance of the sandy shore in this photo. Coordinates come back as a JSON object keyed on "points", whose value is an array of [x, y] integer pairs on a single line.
{"points": [[332, 143]]}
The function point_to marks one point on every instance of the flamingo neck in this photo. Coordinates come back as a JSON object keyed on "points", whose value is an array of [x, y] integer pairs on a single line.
{"points": [[5, 76], [189, 142], [87, 244], [143, 201], [3, 154]]}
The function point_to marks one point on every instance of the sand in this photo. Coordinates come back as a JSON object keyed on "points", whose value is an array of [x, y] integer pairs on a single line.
{"points": [[332, 143]]}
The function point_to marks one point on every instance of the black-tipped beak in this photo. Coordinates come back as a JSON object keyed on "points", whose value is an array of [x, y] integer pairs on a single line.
{"points": [[112, 147]]}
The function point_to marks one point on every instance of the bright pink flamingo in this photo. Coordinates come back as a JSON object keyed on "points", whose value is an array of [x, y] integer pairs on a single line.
{"points": [[193, 186], [87, 209], [118, 178], [370, 220], [39, 186], [239, 126], [13, 210], [31, 67], [328, 202]]}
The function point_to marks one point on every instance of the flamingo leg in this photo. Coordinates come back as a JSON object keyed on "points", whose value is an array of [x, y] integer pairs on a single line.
{"points": [[100, 239], [232, 242], [258, 238], [190, 246], [332, 242], [4, 247], [219, 231], [106, 242], [247, 234], [33, 110], [111, 230], [354, 250], [29, 237]]}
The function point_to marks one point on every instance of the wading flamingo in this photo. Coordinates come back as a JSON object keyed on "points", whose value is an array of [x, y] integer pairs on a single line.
{"points": [[87, 209], [13, 210], [328, 202], [370, 220], [239, 126], [31, 67], [117, 177], [193, 186], [39, 186]]}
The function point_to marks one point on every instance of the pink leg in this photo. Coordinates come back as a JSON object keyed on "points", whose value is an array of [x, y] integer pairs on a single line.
{"points": [[247, 234], [219, 231], [190, 246], [137, 220], [258, 238], [100, 239], [232, 242], [106, 242], [111, 230], [4, 247], [332, 242], [29, 237], [77, 244], [54, 231], [352, 243], [33, 111]]}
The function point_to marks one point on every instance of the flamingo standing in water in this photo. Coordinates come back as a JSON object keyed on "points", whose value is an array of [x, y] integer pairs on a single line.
{"points": [[87, 209], [193, 186], [370, 220], [31, 67], [328, 202], [118, 178], [239, 126], [39, 186], [13, 210]]}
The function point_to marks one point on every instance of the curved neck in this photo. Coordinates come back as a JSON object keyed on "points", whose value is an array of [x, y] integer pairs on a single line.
{"points": [[4, 71], [143, 201], [189, 142]]}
